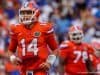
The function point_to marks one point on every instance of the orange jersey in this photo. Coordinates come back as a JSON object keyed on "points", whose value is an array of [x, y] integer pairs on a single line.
{"points": [[33, 44], [74, 57]]}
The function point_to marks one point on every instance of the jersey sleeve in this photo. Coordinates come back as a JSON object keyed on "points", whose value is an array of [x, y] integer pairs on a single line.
{"points": [[50, 38], [91, 49], [92, 56], [13, 39], [64, 51], [95, 61]]}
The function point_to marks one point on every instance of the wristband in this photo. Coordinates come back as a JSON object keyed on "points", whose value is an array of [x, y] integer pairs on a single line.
{"points": [[51, 59], [12, 58]]}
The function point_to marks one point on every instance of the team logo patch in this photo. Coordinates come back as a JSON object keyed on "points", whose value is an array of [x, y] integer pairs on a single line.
{"points": [[37, 34]]}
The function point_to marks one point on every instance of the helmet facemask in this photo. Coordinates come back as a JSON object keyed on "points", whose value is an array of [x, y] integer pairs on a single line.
{"points": [[76, 36], [26, 16]]}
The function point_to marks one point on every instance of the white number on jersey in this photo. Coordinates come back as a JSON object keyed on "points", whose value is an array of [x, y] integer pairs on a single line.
{"points": [[79, 55], [32, 47]]}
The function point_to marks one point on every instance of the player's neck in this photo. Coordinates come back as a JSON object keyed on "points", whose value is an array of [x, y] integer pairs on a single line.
{"points": [[30, 26], [77, 43]]}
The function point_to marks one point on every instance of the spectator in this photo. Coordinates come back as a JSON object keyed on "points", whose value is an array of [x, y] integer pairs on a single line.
{"points": [[61, 24]]}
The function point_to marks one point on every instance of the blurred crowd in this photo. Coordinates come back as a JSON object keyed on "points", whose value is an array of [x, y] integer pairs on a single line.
{"points": [[62, 13]]}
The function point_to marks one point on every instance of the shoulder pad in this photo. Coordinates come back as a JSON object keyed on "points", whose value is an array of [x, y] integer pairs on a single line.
{"points": [[17, 24], [65, 44], [43, 23], [13, 28], [66, 41], [48, 27], [50, 30], [87, 45]]}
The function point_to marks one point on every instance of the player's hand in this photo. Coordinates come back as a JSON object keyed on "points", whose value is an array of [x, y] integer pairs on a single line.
{"points": [[45, 66], [15, 60]]}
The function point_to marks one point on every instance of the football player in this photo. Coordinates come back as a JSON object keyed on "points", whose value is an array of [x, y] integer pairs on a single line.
{"points": [[32, 41], [75, 54]]}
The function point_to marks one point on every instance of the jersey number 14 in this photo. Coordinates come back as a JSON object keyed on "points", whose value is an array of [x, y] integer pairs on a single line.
{"points": [[32, 47]]}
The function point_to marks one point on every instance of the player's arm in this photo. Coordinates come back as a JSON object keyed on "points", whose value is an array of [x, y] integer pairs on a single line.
{"points": [[95, 64], [11, 52], [61, 65], [12, 46], [90, 67], [51, 40], [63, 54], [89, 62], [52, 43], [13, 40]]}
